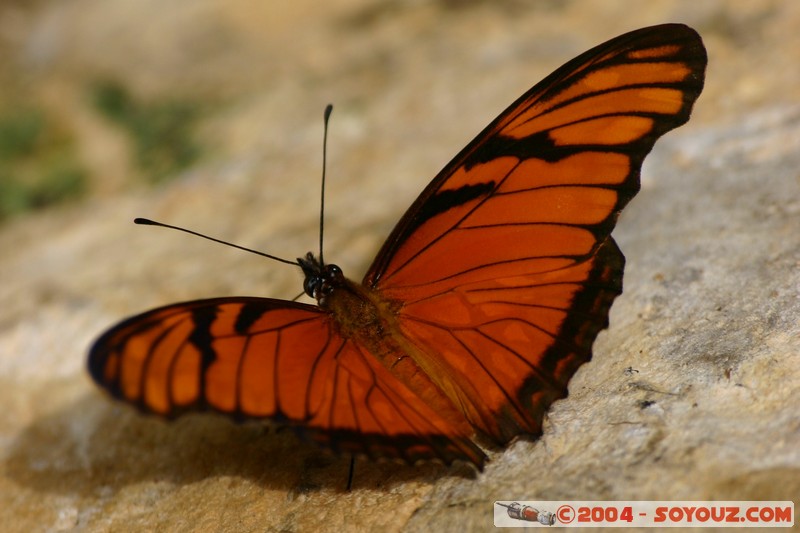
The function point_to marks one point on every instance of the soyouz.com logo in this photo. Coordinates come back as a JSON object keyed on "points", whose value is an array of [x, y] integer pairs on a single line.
{"points": [[518, 513]]}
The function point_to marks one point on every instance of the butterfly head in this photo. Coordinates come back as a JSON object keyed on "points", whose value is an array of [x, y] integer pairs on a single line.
{"points": [[321, 280]]}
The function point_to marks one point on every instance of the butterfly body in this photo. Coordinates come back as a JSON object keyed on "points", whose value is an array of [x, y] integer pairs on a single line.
{"points": [[361, 316], [480, 306]]}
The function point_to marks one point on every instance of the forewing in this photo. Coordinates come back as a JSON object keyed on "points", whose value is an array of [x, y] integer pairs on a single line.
{"points": [[504, 264]]}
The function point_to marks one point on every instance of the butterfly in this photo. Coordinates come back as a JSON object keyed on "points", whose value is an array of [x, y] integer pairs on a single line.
{"points": [[480, 306]]}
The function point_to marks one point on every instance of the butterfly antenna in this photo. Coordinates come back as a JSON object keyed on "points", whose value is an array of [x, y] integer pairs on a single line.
{"points": [[326, 118], [148, 222]]}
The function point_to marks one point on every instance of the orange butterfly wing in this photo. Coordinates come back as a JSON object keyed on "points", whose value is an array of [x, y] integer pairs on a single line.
{"points": [[504, 264], [500, 274], [266, 358]]}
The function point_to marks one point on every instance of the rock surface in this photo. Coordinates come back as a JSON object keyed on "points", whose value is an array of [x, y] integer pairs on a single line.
{"points": [[693, 392]]}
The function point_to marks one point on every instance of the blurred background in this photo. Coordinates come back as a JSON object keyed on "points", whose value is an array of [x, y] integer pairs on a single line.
{"points": [[101, 98], [208, 114]]}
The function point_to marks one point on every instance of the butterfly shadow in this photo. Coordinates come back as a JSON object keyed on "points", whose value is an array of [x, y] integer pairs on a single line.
{"points": [[92, 446]]}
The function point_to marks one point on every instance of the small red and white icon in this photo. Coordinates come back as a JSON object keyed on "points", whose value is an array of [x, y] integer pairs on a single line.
{"points": [[528, 513]]}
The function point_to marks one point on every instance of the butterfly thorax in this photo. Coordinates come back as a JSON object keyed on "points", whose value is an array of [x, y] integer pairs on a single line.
{"points": [[358, 311]]}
